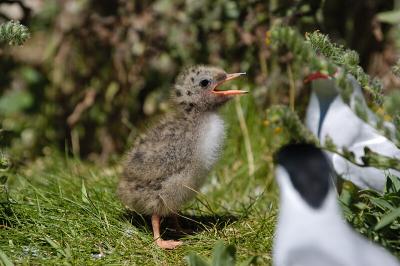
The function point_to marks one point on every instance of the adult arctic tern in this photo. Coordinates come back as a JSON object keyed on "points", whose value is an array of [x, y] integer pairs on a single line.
{"points": [[311, 230], [328, 115]]}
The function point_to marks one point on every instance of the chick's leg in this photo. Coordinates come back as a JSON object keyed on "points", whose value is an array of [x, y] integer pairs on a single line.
{"points": [[165, 244]]}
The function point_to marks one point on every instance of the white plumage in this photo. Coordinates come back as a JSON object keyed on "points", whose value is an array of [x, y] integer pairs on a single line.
{"points": [[212, 135], [317, 235], [328, 115]]}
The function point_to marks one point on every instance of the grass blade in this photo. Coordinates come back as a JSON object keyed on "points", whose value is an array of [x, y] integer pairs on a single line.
{"points": [[55, 245], [4, 259], [85, 197]]}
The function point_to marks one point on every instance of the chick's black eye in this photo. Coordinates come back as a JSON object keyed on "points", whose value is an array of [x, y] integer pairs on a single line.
{"points": [[204, 83]]}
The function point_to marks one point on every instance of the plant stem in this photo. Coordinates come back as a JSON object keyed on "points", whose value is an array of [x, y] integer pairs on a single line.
{"points": [[245, 132], [292, 89]]}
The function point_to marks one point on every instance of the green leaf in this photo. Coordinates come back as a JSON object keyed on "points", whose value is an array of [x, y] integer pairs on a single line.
{"points": [[30, 74], [15, 101], [255, 260], [391, 17], [388, 219], [5, 259], [4, 163], [361, 205], [381, 203], [195, 260], [223, 255], [85, 197], [392, 184], [3, 179], [346, 196]]}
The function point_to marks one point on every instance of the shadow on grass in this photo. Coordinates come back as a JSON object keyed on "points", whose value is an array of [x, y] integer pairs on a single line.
{"points": [[191, 224], [6, 215]]}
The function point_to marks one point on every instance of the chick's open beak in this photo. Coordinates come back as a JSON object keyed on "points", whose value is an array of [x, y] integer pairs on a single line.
{"points": [[229, 92]]}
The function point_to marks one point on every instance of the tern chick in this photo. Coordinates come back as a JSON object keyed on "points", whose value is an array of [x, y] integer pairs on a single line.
{"points": [[170, 162]]}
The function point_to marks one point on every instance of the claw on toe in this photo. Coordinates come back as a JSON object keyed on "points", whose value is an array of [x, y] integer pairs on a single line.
{"points": [[168, 244]]}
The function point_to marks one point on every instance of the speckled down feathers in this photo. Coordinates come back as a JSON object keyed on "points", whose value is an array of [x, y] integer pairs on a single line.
{"points": [[168, 165]]}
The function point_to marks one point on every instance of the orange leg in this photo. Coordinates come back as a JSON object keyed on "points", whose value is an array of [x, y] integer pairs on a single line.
{"points": [[165, 244]]}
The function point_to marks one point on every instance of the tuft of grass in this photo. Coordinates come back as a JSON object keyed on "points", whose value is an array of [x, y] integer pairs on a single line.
{"points": [[64, 211], [375, 215]]}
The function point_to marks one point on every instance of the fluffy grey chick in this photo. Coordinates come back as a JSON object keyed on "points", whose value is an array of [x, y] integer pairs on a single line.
{"points": [[169, 164]]}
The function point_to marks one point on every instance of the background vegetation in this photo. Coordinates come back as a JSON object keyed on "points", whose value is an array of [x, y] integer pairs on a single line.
{"points": [[93, 73]]}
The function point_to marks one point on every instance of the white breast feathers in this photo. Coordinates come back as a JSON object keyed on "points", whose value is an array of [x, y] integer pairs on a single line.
{"points": [[211, 137]]}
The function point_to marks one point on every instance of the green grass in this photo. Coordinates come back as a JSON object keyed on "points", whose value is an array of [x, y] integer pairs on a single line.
{"points": [[65, 211]]}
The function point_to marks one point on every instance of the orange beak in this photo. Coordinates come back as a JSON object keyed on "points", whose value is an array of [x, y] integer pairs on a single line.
{"points": [[316, 75], [320, 75], [229, 92]]}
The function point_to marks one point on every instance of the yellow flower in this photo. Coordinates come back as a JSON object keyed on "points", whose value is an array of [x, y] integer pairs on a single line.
{"points": [[266, 122], [278, 130], [387, 117], [379, 110], [268, 38]]}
